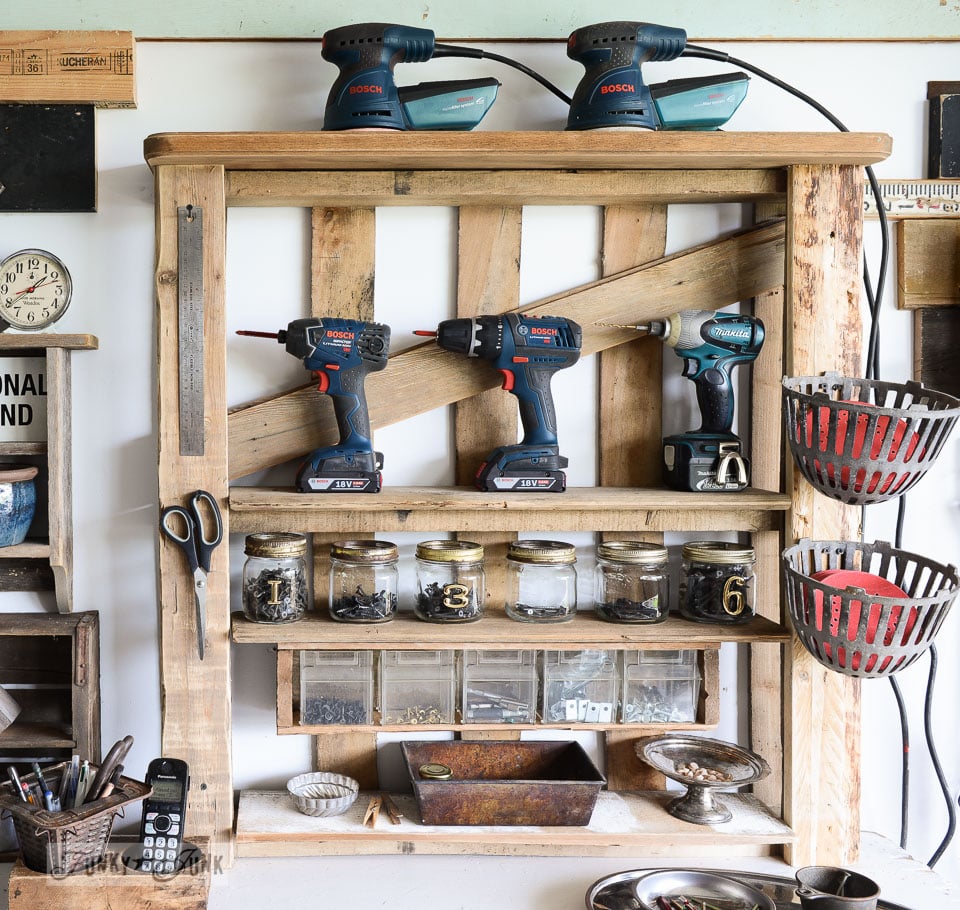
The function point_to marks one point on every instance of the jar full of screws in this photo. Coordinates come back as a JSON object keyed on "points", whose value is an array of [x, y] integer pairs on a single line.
{"points": [[450, 581], [542, 583], [631, 582], [363, 580], [717, 582], [274, 582]]}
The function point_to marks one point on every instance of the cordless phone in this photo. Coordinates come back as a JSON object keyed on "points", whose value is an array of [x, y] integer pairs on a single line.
{"points": [[164, 812]]}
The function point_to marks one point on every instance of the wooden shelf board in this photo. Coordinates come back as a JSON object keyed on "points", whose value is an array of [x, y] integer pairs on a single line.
{"points": [[316, 631], [29, 549], [340, 729], [543, 150], [23, 448], [21, 735], [268, 824], [44, 340], [463, 509]]}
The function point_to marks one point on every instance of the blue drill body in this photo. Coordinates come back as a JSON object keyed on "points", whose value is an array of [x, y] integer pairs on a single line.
{"points": [[527, 350]]}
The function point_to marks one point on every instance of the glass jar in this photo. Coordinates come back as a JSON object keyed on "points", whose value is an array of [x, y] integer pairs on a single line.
{"points": [[717, 582], [631, 582], [450, 581], [274, 586], [364, 580], [542, 583]]}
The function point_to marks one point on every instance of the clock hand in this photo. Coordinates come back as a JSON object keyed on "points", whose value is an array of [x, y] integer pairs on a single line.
{"points": [[32, 288]]}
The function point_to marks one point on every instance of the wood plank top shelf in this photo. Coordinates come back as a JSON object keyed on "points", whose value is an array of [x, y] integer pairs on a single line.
{"points": [[45, 340], [623, 823], [316, 631], [546, 150], [257, 509]]}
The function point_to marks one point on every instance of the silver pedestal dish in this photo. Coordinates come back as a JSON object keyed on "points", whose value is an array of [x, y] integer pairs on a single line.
{"points": [[698, 805]]}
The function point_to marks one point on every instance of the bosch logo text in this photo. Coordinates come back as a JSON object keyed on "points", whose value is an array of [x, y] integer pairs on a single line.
{"points": [[331, 333], [366, 89], [617, 87]]}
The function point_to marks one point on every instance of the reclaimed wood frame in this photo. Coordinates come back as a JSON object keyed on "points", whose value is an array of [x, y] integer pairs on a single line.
{"points": [[803, 717]]}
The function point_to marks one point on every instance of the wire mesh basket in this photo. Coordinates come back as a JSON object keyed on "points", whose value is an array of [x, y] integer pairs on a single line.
{"points": [[861, 634], [864, 441], [61, 843]]}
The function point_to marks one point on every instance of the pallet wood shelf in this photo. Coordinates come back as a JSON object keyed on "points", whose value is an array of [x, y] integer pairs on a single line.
{"points": [[47, 565], [802, 273], [50, 664], [255, 509], [623, 823], [495, 630]]}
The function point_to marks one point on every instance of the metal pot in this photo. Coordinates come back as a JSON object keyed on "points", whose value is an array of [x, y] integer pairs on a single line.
{"points": [[832, 888]]}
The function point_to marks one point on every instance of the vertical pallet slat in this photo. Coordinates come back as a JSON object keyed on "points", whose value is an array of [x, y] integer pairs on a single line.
{"points": [[343, 251], [60, 486], [488, 283], [85, 694], [766, 454], [821, 707], [630, 424], [195, 707]]}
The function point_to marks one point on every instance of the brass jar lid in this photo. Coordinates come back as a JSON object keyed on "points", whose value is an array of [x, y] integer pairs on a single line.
{"points": [[435, 771], [277, 545], [720, 552], [633, 551], [367, 551], [450, 551], [544, 552]]}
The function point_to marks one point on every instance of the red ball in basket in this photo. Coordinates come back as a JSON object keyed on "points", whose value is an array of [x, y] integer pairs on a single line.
{"points": [[873, 586], [871, 480]]}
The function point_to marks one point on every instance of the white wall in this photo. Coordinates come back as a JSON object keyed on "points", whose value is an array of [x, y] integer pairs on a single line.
{"points": [[282, 86]]}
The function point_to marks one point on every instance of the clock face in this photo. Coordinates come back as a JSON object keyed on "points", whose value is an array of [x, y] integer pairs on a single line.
{"points": [[35, 289]]}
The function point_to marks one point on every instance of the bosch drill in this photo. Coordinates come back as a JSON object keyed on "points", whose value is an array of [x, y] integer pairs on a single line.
{"points": [[711, 344], [365, 96], [341, 352], [528, 350], [612, 92]]}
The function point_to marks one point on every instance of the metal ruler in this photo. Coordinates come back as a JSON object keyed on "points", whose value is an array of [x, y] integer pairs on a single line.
{"points": [[915, 199], [190, 327]]}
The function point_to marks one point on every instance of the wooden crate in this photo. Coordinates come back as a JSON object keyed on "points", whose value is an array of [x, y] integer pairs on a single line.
{"points": [[110, 886], [50, 664]]}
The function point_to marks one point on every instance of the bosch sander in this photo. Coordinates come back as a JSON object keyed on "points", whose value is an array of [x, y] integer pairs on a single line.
{"points": [[612, 93], [365, 95]]}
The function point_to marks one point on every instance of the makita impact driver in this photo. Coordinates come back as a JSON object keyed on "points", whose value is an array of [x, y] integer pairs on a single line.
{"points": [[711, 344], [527, 350], [341, 352], [612, 92]]}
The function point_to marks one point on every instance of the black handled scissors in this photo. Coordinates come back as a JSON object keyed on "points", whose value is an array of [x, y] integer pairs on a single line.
{"points": [[198, 546]]}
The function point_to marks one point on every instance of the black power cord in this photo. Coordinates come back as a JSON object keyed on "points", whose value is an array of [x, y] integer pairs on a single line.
{"points": [[476, 53]]}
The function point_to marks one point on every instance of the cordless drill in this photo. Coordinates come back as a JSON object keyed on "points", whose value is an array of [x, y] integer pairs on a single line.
{"points": [[612, 92], [711, 344], [341, 352], [528, 350], [365, 96]]}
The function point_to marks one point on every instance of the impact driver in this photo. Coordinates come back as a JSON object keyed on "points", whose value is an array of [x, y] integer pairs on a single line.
{"points": [[527, 350], [341, 352], [711, 344]]}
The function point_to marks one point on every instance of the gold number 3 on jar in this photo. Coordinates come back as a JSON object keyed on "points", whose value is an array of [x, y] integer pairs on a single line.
{"points": [[456, 596]]}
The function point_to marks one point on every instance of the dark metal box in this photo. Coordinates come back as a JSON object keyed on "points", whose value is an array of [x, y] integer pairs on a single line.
{"points": [[504, 783]]}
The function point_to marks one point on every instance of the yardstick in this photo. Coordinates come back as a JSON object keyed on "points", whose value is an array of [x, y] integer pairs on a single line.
{"points": [[190, 327], [915, 199]]}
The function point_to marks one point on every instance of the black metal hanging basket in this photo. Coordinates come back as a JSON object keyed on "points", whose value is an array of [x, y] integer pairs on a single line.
{"points": [[864, 441], [861, 634]]}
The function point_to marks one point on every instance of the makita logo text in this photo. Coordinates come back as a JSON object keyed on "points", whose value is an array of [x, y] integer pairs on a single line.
{"points": [[617, 87], [366, 89], [540, 330], [332, 334], [731, 333]]}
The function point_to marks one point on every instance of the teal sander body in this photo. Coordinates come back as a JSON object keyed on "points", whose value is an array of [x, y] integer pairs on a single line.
{"points": [[612, 93]]}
